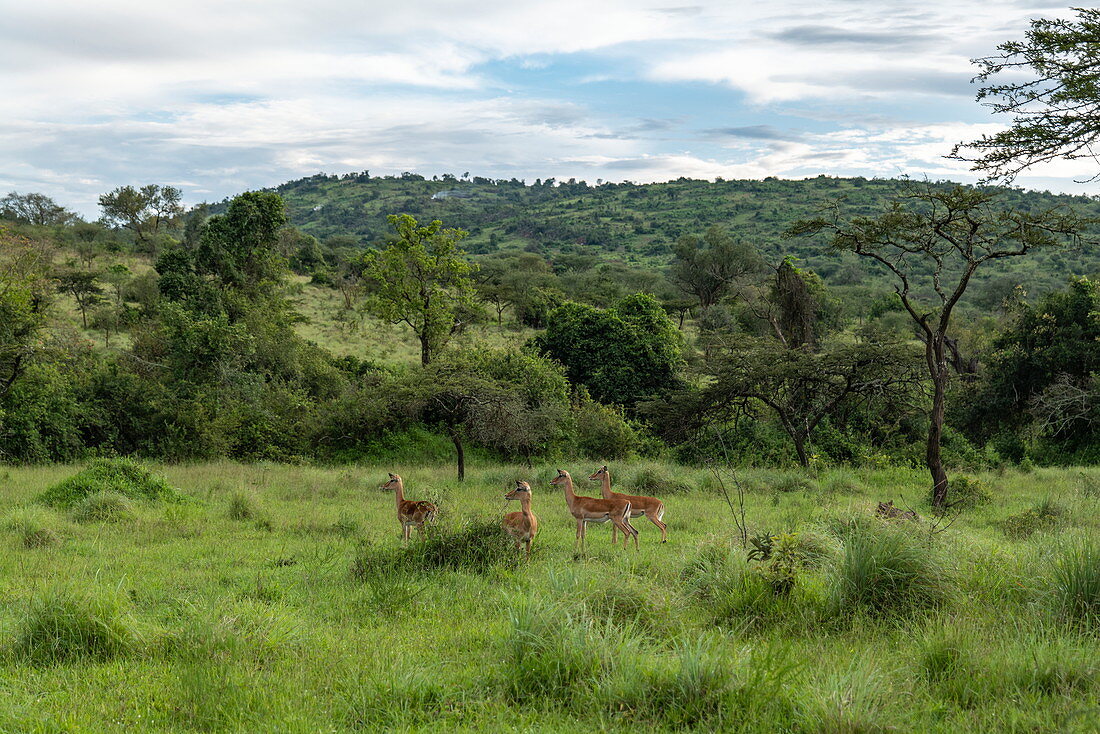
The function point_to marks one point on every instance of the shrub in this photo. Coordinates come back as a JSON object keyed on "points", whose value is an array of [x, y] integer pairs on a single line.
{"points": [[477, 546], [1075, 584], [1043, 516], [884, 569], [656, 481], [967, 492], [67, 625], [124, 476], [602, 432], [36, 526]]}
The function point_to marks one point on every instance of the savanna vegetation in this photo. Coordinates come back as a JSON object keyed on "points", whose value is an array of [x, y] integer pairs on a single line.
{"points": [[197, 408]]}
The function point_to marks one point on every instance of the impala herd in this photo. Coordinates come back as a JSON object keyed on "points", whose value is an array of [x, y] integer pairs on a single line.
{"points": [[523, 526]]}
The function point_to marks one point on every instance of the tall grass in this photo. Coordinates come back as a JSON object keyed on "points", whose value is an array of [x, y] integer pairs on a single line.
{"points": [[883, 569], [1075, 584], [65, 625]]}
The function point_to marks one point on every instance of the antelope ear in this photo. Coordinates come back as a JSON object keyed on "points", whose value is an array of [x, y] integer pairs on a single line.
{"points": [[393, 476], [603, 468]]}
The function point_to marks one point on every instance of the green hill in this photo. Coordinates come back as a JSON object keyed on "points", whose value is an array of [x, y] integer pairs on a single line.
{"points": [[632, 223]]}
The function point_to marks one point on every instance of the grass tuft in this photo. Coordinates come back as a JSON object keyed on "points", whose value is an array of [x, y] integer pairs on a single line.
{"points": [[105, 506], [68, 625], [476, 546], [36, 526], [1075, 584], [883, 570]]}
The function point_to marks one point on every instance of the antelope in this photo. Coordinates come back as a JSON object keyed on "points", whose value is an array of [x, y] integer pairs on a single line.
{"points": [[410, 513], [523, 526], [651, 507], [594, 509]]}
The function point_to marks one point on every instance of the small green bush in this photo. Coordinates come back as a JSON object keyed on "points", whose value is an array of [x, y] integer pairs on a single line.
{"points": [[883, 569], [793, 482], [106, 506], [124, 476], [67, 625], [967, 492], [1044, 516]]}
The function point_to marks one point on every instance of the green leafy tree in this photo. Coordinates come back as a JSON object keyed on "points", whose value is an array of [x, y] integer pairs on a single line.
{"points": [[26, 292], [708, 267], [240, 249], [932, 240], [145, 211], [421, 279], [511, 402], [1051, 89], [799, 386], [84, 288], [37, 209], [622, 354]]}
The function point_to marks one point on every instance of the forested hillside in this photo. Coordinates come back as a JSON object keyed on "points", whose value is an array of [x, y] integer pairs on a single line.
{"points": [[637, 223]]}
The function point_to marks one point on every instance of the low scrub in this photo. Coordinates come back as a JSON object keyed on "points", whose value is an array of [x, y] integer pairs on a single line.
{"points": [[1044, 516], [884, 570], [69, 625], [476, 545], [124, 476], [106, 506], [967, 492]]}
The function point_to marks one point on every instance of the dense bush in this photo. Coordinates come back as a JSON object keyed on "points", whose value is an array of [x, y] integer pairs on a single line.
{"points": [[475, 545]]}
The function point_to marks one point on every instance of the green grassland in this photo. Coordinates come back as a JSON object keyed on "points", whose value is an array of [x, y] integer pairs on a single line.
{"points": [[277, 598]]}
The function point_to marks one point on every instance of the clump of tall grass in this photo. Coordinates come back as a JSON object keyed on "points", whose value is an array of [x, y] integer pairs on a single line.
{"points": [[124, 476], [792, 481], [1075, 584], [550, 653], [37, 527], [243, 506], [657, 481], [105, 506], [883, 569], [1043, 516], [967, 492], [475, 545], [392, 698], [65, 625]]}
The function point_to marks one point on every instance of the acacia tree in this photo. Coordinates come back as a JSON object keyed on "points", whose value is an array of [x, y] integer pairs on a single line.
{"points": [[801, 387], [34, 208], [83, 288], [933, 239], [143, 211], [707, 267], [510, 402], [1055, 110], [421, 279]]}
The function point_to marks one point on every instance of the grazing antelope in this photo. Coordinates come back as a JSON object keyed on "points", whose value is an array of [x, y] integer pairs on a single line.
{"points": [[594, 509], [651, 507], [523, 526], [410, 513]]}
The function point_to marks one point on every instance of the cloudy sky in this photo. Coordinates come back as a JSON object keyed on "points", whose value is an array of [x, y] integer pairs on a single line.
{"points": [[218, 97]]}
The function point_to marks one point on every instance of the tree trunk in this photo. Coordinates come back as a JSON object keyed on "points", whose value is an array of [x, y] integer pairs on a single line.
{"points": [[457, 441], [937, 366], [425, 351], [800, 447]]}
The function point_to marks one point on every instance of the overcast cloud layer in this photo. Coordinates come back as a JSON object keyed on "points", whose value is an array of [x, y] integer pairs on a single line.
{"points": [[218, 97]]}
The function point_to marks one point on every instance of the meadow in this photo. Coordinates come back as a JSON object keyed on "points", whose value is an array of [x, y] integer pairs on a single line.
{"points": [[278, 598]]}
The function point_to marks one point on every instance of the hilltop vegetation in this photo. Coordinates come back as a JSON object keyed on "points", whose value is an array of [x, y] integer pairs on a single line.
{"points": [[636, 223]]}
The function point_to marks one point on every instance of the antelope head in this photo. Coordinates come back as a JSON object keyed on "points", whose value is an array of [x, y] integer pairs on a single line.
{"points": [[599, 474], [519, 491], [391, 483], [561, 478]]}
